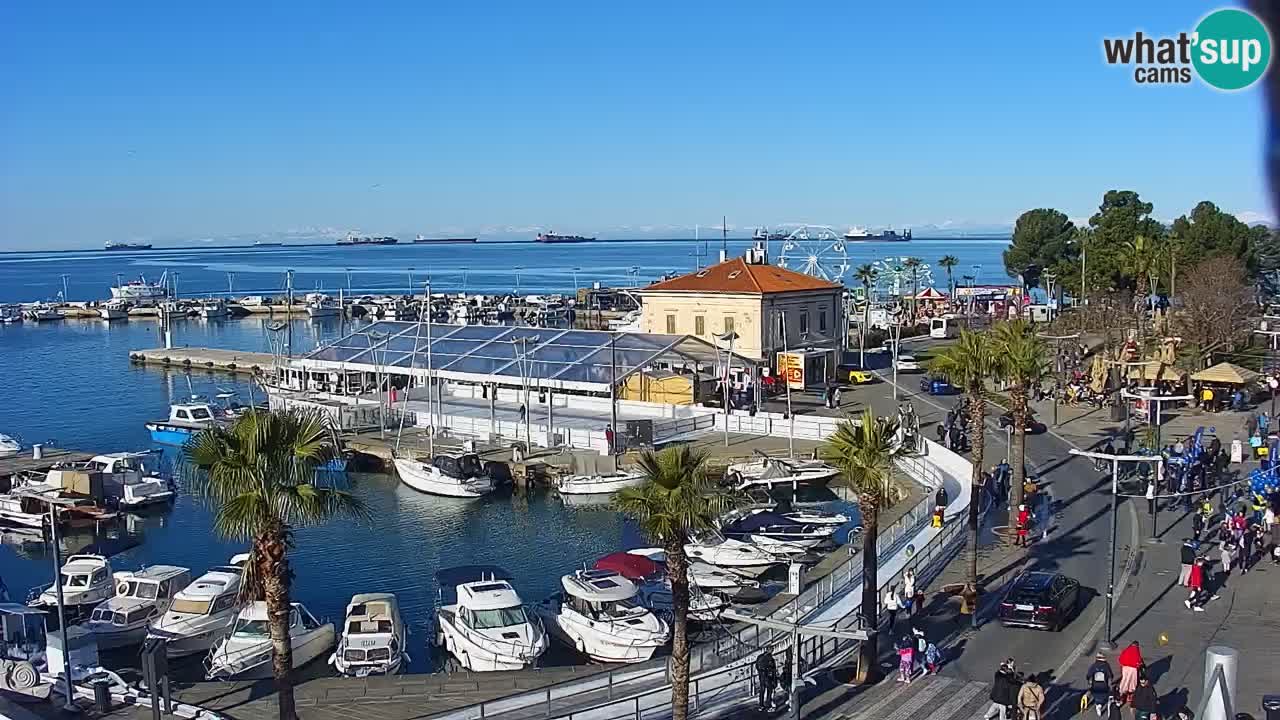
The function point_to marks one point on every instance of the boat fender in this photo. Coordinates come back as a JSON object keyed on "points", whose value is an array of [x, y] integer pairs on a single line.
{"points": [[122, 587]]}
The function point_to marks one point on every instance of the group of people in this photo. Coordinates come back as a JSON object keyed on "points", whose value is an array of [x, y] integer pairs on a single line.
{"points": [[1109, 695], [915, 651], [1014, 695], [952, 431]]}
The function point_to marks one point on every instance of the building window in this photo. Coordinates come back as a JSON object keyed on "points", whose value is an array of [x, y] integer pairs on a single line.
{"points": [[671, 324], [822, 321], [804, 321], [728, 324], [699, 325]]}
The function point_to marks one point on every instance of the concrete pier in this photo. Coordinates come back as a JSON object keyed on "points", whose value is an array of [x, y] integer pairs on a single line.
{"points": [[23, 462], [194, 358]]}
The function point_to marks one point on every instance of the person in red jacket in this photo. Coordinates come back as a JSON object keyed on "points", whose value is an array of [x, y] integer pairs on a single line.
{"points": [[1024, 520], [1195, 581], [1130, 661]]}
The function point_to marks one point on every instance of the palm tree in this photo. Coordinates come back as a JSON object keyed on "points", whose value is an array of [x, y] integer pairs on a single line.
{"points": [[1142, 265], [864, 451], [259, 474], [912, 264], [1023, 364], [677, 500], [948, 263], [866, 274], [968, 365]]}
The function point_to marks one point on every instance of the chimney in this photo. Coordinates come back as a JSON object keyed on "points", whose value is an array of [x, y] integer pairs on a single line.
{"points": [[757, 255]]}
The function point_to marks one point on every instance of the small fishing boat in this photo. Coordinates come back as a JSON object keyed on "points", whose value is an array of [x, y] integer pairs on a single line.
{"points": [[140, 597], [323, 307], [185, 420], [128, 480], [373, 638], [737, 556], [214, 309], [246, 652], [598, 615], [86, 581], [44, 313], [461, 476], [202, 613], [602, 484], [114, 310], [9, 446], [482, 621]]}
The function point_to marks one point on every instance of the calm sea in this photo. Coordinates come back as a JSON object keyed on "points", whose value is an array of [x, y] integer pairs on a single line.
{"points": [[70, 383]]}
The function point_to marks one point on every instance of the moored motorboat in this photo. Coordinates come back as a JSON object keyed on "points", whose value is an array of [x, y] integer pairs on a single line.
{"points": [[185, 420], [482, 622], [140, 596], [598, 615], [707, 577], [602, 484], [114, 310], [777, 534], [373, 638], [770, 471], [86, 581], [740, 557], [654, 586], [9, 446], [461, 476], [246, 653], [128, 480], [203, 612]]}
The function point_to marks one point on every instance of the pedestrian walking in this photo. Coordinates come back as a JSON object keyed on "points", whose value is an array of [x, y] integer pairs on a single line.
{"points": [[1246, 549], [909, 592], [1130, 660], [609, 437], [891, 605], [1188, 551], [1146, 703], [767, 675], [1195, 580], [1031, 698], [1024, 519], [922, 646], [1227, 555], [906, 659], [1151, 497], [1003, 692], [1098, 679], [932, 659], [1197, 526]]}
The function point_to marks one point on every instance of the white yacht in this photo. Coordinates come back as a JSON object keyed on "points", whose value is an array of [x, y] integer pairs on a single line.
{"points": [[769, 471], [707, 577], [114, 310], [603, 484], [203, 612], [127, 478], [599, 616], [857, 232], [741, 557], [214, 309], [86, 581], [461, 476], [482, 622], [140, 597], [9, 446], [140, 289], [246, 652], [373, 637]]}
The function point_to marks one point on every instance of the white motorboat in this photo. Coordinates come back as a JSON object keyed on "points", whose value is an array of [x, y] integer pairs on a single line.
{"points": [[482, 622], [373, 638], [114, 310], [22, 510], [140, 289], [321, 306], [707, 577], [185, 420], [741, 557], [771, 471], [214, 309], [811, 516], [461, 476], [246, 652], [777, 534], [603, 484], [140, 597], [203, 612], [44, 313], [86, 581], [127, 478], [9, 446], [703, 606], [599, 616]]}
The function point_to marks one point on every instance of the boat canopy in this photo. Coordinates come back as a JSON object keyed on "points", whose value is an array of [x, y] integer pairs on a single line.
{"points": [[760, 521], [586, 360], [598, 586], [632, 567]]}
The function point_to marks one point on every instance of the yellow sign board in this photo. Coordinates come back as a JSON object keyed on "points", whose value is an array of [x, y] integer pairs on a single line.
{"points": [[791, 369]]}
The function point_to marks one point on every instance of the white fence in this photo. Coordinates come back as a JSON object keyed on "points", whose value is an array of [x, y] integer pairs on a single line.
{"points": [[806, 427]]}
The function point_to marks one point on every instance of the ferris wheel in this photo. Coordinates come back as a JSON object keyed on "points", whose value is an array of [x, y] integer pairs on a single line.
{"points": [[815, 250], [894, 277]]}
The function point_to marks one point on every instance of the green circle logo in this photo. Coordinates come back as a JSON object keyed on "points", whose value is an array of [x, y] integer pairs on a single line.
{"points": [[1232, 49]]}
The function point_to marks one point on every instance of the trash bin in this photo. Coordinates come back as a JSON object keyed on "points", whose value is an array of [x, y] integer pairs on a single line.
{"points": [[1271, 706], [102, 695]]}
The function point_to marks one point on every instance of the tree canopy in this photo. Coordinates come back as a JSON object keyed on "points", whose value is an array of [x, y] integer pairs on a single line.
{"points": [[1041, 240], [1121, 217]]}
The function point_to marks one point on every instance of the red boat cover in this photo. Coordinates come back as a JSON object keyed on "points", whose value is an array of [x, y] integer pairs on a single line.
{"points": [[632, 567]]}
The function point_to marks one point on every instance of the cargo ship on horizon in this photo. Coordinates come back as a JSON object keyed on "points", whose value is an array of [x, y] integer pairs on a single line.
{"points": [[550, 237], [126, 246], [859, 233], [353, 239]]}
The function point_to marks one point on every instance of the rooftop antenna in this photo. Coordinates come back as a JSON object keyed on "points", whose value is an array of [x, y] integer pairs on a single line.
{"points": [[724, 238]]}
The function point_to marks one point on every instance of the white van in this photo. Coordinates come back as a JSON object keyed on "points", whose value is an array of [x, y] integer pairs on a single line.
{"points": [[944, 327]]}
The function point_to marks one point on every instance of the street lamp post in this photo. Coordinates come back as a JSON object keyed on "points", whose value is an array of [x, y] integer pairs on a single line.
{"points": [[1159, 401], [728, 362], [791, 416], [69, 705], [897, 347], [1058, 366]]}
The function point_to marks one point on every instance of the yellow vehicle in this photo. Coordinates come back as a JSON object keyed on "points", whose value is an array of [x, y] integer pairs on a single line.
{"points": [[861, 377]]}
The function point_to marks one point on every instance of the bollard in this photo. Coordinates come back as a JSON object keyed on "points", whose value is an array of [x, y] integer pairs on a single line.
{"points": [[1219, 657], [102, 695], [37, 452]]}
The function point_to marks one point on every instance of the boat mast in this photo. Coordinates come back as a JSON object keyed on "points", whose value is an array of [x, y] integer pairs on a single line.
{"points": [[288, 313]]}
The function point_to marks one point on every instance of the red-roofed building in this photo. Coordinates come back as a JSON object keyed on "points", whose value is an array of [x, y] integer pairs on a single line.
{"points": [[765, 305]]}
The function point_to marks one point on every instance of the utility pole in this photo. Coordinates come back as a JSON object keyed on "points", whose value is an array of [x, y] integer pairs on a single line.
{"points": [[69, 705]]}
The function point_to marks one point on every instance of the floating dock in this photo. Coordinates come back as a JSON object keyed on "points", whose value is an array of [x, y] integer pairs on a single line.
{"points": [[25, 462], [198, 358]]}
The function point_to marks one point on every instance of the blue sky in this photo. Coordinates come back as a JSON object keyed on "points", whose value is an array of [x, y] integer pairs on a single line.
{"points": [[170, 121]]}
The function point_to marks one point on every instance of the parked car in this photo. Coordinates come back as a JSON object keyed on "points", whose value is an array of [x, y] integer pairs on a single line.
{"points": [[1041, 600], [861, 377], [937, 386]]}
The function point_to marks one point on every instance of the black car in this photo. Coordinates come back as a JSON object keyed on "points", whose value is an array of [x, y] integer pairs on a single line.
{"points": [[1006, 421], [1041, 600]]}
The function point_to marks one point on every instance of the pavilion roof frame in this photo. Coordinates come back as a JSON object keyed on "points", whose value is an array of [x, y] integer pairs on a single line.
{"points": [[555, 358]]}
